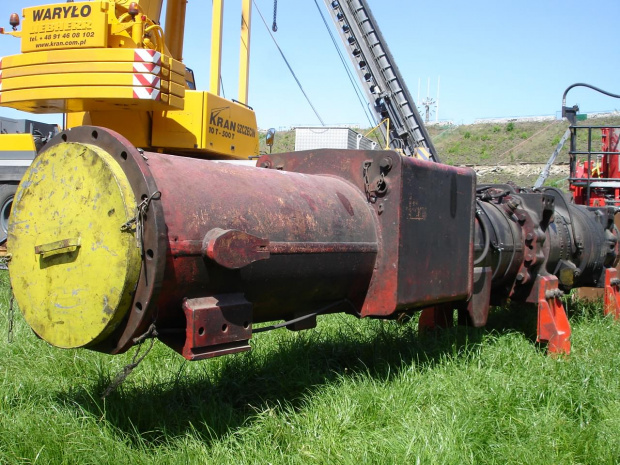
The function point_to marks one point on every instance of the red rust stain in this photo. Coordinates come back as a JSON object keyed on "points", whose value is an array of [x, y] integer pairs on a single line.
{"points": [[346, 204]]}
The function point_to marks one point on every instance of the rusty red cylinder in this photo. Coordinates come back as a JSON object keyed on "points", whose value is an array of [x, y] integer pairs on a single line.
{"points": [[318, 236]]}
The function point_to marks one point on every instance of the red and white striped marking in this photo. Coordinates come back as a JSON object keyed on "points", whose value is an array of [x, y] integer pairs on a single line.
{"points": [[146, 93], [151, 68], [147, 56], [146, 80]]}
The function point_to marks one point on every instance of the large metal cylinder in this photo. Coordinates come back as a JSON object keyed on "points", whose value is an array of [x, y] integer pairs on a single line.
{"points": [[110, 244], [179, 228]]}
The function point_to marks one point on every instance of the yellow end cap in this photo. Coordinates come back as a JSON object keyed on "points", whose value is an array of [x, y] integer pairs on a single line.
{"points": [[73, 269]]}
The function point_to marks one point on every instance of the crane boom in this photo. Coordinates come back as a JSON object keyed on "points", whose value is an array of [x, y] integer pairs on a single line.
{"points": [[383, 84]]}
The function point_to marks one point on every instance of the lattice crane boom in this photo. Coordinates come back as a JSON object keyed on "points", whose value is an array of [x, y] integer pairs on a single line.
{"points": [[383, 84]]}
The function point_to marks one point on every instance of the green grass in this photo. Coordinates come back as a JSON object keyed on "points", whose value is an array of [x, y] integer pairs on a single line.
{"points": [[348, 392]]}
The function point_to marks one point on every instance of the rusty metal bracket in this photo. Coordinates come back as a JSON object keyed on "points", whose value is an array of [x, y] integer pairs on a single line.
{"points": [[234, 249], [612, 293], [553, 326], [217, 325]]}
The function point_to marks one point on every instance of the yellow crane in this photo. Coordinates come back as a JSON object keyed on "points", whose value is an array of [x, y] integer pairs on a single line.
{"points": [[109, 63]]}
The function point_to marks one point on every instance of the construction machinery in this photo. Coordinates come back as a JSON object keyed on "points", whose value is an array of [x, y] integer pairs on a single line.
{"points": [[385, 88], [594, 178], [594, 174], [594, 181], [121, 230], [108, 63], [19, 141]]}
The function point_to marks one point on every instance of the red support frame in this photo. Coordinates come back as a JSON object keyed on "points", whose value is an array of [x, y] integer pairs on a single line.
{"points": [[612, 291], [440, 316], [553, 326]]}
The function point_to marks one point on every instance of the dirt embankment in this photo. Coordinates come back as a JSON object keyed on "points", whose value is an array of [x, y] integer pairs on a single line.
{"points": [[522, 174]]}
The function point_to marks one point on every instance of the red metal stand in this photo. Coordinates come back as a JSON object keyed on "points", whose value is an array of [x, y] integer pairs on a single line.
{"points": [[437, 317], [553, 325], [612, 291]]}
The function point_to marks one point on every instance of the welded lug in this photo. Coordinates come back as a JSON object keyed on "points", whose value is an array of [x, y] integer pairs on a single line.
{"points": [[386, 165], [375, 184], [217, 325], [606, 216], [553, 326], [612, 293], [548, 208], [234, 249]]}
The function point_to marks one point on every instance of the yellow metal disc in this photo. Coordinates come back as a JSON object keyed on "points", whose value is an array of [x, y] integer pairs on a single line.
{"points": [[73, 270]]}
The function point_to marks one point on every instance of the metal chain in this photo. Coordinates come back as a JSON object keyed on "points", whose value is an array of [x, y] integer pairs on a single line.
{"points": [[274, 27], [380, 183], [136, 223], [367, 187], [151, 333], [11, 318], [4, 264], [138, 220]]}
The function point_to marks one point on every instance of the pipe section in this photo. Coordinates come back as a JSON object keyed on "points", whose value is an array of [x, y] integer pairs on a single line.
{"points": [[109, 242]]}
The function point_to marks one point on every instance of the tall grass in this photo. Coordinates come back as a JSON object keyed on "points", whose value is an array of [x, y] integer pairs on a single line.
{"points": [[348, 392]]}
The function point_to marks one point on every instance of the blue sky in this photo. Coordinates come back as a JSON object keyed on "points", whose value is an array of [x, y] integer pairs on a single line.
{"points": [[495, 59]]}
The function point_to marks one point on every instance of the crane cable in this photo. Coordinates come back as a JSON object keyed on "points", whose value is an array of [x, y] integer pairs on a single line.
{"points": [[221, 80], [287, 64], [274, 26], [346, 68]]}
